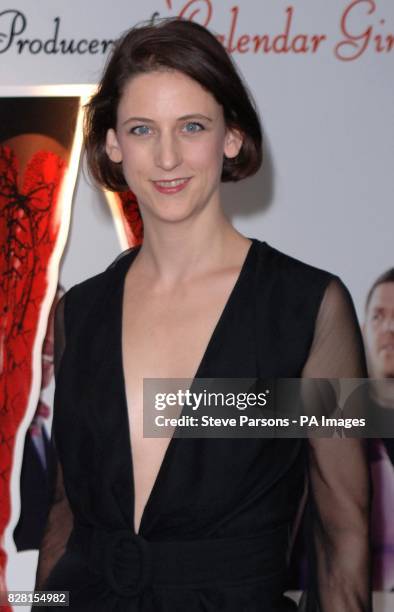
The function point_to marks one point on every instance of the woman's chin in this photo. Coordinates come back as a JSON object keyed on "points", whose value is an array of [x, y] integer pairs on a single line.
{"points": [[170, 213]]}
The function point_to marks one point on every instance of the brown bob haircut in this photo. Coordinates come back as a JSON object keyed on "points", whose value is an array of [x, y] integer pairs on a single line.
{"points": [[171, 44]]}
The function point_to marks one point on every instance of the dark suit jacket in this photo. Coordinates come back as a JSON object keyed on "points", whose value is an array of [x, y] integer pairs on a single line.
{"points": [[35, 495]]}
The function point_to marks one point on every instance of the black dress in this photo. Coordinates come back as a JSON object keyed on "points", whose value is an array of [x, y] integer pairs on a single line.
{"points": [[216, 531]]}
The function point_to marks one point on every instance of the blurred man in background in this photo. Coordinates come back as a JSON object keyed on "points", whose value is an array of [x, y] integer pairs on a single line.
{"points": [[378, 332], [35, 479]]}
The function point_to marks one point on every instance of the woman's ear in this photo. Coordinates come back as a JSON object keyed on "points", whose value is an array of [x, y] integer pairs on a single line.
{"points": [[112, 147], [233, 142]]}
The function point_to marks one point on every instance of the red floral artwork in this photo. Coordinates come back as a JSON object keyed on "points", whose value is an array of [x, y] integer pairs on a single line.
{"points": [[28, 231], [131, 212]]}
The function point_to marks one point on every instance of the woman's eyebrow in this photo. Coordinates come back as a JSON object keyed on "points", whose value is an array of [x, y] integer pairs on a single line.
{"points": [[183, 118], [142, 119], [195, 116]]}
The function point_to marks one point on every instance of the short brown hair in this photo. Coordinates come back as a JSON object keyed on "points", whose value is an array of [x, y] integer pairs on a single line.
{"points": [[185, 46]]}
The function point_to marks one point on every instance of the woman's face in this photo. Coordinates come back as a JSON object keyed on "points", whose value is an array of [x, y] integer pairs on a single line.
{"points": [[171, 137]]}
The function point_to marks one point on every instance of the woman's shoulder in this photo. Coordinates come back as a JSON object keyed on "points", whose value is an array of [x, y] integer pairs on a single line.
{"points": [[99, 280], [82, 295], [288, 269], [298, 289]]}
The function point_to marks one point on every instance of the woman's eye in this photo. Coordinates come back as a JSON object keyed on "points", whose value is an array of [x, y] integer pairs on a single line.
{"points": [[193, 126], [140, 130]]}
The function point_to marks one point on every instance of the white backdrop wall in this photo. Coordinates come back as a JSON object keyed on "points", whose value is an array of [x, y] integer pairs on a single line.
{"points": [[322, 74], [325, 192]]}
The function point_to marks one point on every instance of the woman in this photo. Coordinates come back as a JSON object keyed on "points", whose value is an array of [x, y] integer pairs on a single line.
{"points": [[194, 524]]}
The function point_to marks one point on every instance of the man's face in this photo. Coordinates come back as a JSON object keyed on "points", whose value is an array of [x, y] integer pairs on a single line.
{"points": [[379, 332]]}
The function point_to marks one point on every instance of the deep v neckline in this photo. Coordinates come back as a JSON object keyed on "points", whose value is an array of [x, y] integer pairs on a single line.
{"points": [[122, 382]]}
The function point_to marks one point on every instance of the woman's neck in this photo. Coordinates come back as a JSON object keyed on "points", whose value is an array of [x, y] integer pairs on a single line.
{"points": [[175, 252]]}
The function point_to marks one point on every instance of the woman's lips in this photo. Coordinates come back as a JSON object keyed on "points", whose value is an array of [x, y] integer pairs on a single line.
{"points": [[170, 187]]}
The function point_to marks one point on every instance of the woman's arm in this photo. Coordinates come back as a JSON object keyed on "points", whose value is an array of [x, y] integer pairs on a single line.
{"points": [[60, 517], [338, 477]]}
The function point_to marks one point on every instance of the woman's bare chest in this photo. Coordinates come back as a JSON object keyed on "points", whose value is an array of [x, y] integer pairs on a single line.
{"points": [[163, 336]]}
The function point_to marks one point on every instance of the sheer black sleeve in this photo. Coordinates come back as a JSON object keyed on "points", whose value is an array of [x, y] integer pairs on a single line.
{"points": [[60, 518], [338, 506]]}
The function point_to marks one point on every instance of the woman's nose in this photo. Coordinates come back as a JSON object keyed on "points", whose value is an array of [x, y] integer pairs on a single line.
{"points": [[168, 154]]}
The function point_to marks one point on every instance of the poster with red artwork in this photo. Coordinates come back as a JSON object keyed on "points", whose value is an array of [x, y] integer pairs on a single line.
{"points": [[40, 146]]}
